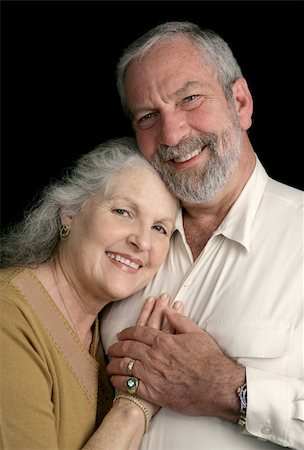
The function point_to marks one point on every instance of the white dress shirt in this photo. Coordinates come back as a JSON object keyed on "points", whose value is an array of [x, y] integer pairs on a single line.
{"points": [[246, 290]]}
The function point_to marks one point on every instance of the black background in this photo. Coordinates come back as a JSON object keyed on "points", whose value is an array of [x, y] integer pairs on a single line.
{"points": [[58, 89]]}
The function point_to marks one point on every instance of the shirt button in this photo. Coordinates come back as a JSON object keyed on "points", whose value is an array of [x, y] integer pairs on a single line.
{"points": [[266, 430], [187, 282]]}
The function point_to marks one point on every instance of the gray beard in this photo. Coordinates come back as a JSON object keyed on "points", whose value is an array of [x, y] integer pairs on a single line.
{"points": [[199, 185]]}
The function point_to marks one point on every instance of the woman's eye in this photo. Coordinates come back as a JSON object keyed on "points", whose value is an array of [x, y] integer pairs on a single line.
{"points": [[121, 212], [160, 229]]}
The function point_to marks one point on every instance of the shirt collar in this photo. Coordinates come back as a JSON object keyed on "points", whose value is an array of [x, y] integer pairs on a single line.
{"points": [[237, 224]]}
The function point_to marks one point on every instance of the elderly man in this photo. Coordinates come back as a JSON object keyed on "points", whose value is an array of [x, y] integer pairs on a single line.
{"points": [[230, 378]]}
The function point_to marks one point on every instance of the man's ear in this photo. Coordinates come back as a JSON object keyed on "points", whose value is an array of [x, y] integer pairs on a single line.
{"points": [[243, 102]]}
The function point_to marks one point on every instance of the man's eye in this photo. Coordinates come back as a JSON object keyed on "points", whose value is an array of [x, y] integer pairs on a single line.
{"points": [[146, 117], [145, 122], [160, 229], [191, 98]]}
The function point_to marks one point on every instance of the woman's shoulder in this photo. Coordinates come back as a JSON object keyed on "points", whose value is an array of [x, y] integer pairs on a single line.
{"points": [[8, 274], [10, 296]]}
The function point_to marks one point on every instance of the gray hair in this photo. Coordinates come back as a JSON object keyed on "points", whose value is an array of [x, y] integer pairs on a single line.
{"points": [[34, 240], [216, 52]]}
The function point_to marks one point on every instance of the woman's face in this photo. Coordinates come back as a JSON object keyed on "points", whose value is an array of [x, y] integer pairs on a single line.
{"points": [[118, 241]]}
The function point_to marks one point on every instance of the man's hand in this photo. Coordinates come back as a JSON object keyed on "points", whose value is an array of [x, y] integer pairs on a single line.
{"points": [[185, 372]]}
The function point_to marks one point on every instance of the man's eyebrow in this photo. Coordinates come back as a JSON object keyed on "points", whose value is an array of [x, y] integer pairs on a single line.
{"points": [[187, 86], [184, 90]]}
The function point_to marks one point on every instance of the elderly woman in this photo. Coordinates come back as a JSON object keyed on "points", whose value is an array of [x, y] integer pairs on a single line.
{"points": [[97, 236]]}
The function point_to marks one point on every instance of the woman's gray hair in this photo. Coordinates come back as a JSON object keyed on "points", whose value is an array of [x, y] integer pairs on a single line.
{"points": [[215, 51], [34, 240]]}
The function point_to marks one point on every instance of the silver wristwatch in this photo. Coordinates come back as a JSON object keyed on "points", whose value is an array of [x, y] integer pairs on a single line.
{"points": [[242, 394]]}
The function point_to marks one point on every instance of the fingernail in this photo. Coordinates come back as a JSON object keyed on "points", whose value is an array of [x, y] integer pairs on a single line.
{"points": [[164, 297], [176, 305], [150, 299]]}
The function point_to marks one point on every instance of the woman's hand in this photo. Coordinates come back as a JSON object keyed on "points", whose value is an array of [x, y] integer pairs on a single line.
{"points": [[124, 425], [152, 315]]}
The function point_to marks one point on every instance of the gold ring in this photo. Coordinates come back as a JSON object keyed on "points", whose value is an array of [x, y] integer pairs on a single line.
{"points": [[130, 367], [131, 384]]}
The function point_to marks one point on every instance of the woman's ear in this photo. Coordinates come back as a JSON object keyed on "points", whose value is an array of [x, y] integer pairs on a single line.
{"points": [[243, 102], [65, 219]]}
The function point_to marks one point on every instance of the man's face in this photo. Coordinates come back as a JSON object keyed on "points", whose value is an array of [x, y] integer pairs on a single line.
{"points": [[183, 122]]}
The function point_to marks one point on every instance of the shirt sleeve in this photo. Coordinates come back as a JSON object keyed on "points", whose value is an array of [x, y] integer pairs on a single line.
{"points": [[275, 410]]}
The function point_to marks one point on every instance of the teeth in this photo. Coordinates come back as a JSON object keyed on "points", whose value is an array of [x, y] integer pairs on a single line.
{"points": [[123, 260], [187, 157]]}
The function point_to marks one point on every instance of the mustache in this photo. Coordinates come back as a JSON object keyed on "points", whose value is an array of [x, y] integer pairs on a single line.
{"points": [[187, 145]]}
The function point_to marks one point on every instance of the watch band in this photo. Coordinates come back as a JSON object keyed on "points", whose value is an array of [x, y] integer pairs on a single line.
{"points": [[242, 394]]}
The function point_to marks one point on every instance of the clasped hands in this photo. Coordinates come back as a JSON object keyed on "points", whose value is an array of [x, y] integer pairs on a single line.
{"points": [[179, 365]]}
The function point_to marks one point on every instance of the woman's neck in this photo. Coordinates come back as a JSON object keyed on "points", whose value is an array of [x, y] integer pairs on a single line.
{"points": [[75, 308]]}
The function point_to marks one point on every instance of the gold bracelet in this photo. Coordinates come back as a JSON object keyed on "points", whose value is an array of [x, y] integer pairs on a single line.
{"points": [[137, 402]]}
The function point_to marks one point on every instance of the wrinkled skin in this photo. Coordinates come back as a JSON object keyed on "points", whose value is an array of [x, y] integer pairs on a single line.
{"points": [[171, 374]]}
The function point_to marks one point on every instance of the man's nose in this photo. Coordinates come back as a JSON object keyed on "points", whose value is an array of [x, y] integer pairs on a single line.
{"points": [[174, 128]]}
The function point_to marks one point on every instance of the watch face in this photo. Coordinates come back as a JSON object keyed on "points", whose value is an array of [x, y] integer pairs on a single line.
{"points": [[243, 396]]}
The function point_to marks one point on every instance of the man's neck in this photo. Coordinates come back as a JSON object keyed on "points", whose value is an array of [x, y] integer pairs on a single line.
{"points": [[201, 220]]}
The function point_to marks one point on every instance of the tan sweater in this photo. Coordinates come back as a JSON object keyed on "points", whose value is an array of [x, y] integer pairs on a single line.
{"points": [[48, 381]]}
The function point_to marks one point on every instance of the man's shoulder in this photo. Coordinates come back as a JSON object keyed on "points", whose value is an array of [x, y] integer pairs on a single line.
{"points": [[284, 193]]}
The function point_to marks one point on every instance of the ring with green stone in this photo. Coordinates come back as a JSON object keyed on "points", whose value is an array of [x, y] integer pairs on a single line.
{"points": [[131, 384]]}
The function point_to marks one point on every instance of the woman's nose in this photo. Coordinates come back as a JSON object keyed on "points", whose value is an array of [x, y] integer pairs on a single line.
{"points": [[141, 239]]}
